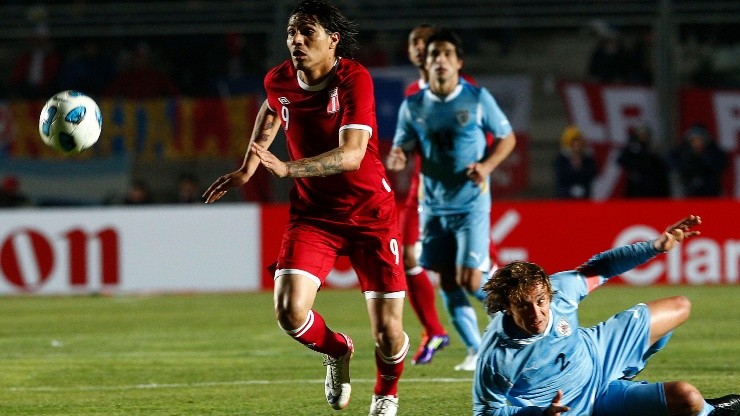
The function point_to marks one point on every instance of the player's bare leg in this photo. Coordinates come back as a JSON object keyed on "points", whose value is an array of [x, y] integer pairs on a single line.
{"points": [[666, 315], [294, 298], [392, 344]]}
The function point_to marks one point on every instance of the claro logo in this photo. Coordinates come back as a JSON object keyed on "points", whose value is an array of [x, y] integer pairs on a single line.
{"points": [[29, 258], [700, 260]]}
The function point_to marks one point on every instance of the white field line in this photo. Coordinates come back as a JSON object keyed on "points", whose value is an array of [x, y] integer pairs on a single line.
{"points": [[152, 386]]}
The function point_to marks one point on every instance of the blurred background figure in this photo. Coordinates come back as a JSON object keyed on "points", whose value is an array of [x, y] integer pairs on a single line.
{"points": [[609, 60], [575, 168], [138, 193], [141, 77], [35, 71], [646, 171], [88, 69], [188, 189], [11, 195], [698, 163]]}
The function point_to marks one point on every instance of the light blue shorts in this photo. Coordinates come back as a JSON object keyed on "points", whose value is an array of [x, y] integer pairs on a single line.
{"points": [[621, 343], [455, 240], [631, 398]]}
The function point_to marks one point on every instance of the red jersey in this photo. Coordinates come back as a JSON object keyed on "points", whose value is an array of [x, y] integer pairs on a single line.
{"points": [[312, 117]]}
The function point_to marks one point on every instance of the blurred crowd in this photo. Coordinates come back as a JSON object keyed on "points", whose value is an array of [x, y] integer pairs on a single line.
{"points": [[229, 64], [234, 63], [210, 65], [693, 168]]}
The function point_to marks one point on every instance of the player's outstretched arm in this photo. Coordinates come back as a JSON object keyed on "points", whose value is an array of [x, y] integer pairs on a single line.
{"points": [[556, 408], [676, 233], [265, 128]]}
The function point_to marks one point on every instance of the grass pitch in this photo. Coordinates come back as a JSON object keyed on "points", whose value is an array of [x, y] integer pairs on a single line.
{"points": [[223, 354]]}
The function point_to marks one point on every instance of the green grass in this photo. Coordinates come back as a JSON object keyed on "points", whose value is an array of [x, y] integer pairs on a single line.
{"points": [[223, 354]]}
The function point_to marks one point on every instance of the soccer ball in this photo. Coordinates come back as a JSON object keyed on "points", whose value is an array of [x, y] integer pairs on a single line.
{"points": [[70, 122]]}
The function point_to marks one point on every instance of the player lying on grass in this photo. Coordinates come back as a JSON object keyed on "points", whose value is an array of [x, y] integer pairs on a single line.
{"points": [[536, 360]]}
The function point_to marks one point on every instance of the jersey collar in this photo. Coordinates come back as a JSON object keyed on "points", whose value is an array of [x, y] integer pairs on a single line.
{"points": [[449, 97], [320, 86]]}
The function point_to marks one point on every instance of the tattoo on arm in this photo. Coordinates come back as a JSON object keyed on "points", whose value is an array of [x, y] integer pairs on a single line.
{"points": [[329, 163]]}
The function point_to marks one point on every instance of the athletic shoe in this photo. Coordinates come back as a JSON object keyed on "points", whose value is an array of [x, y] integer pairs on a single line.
{"points": [[427, 348], [468, 363], [337, 387], [383, 406], [726, 405]]}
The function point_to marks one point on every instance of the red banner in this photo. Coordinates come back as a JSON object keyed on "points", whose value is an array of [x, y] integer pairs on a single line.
{"points": [[560, 235]]}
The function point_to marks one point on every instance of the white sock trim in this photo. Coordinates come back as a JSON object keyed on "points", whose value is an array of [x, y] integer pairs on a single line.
{"points": [[414, 271], [295, 333], [385, 295], [400, 356]]}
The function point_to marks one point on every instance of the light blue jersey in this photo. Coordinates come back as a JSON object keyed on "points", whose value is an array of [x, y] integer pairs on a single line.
{"points": [[450, 134], [521, 376]]}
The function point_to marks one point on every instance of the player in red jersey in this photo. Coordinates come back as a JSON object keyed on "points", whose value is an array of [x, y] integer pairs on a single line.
{"points": [[341, 202]]}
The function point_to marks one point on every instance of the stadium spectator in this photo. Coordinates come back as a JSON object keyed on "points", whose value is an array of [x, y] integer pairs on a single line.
{"points": [[237, 71], [575, 168], [11, 195], [188, 189], [609, 61], [537, 360], [138, 193], [140, 78], [341, 203], [88, 69], [699, 164], [421, 291], [646, 171], [446, 124], [34, 75]]}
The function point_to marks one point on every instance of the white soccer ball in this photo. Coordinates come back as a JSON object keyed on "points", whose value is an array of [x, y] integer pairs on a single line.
{"points": [[70, 122]]}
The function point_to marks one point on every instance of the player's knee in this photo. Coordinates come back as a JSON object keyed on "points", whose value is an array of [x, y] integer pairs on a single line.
{"points": [[290, 315], [683, 305], [389, 335], [469, 279], [681, 397]]}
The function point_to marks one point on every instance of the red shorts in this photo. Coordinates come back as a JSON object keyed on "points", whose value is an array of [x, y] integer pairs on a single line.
{"points": [[310, 248]]}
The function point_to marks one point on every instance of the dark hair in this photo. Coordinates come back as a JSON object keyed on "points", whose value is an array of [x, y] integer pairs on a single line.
{"points": [[332, 19], [444, 34], [512, 283]]}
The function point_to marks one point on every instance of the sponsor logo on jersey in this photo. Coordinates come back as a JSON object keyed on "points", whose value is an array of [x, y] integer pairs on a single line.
{"points": [[333, 105], [283, 101]]}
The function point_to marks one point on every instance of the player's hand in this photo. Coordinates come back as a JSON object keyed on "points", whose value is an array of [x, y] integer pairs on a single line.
{"points": [[396, 160], [276, 166], [556, 408], [221, 185], [477, 172], [676, 233]]}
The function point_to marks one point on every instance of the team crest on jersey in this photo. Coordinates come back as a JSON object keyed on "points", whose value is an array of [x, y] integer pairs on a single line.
{"points": [[462, 116], [283, 101], [333, 105], [563, 328]]}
